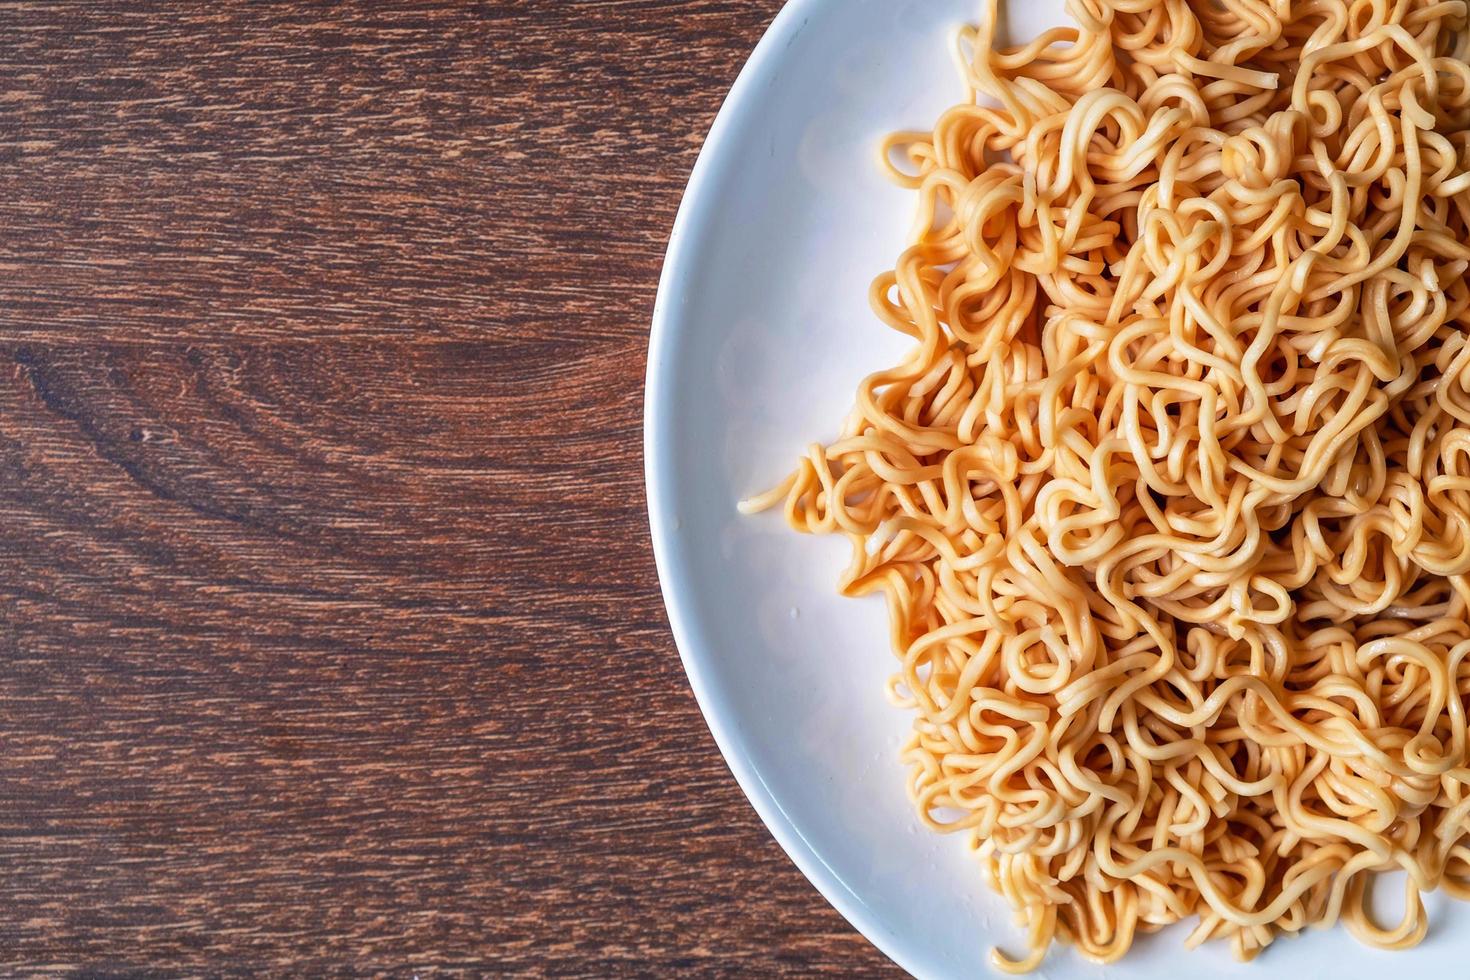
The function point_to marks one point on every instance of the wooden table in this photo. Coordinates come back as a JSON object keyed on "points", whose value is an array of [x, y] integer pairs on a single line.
{"points": [[331, 638]]}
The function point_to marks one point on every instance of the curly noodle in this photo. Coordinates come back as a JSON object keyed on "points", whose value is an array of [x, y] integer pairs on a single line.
{"points": [[1170, 499]]}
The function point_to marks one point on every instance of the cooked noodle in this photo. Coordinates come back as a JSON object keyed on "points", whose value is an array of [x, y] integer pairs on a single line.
{"points": [[1170, 500]]}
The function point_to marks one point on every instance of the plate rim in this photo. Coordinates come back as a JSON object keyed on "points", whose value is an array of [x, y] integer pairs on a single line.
{"points": [[696, 201]]}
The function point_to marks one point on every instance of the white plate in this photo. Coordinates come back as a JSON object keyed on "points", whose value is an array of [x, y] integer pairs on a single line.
{"points": [[760, 336]]}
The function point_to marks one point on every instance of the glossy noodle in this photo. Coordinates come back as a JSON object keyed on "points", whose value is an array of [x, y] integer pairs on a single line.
{"points": [[1170, 499]]}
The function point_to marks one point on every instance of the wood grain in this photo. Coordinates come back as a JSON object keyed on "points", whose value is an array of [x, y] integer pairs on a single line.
{"points": [[330, 641]]}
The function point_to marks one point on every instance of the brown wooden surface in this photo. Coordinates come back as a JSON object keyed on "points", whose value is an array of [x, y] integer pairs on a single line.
{"points": [[329, 633]]}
